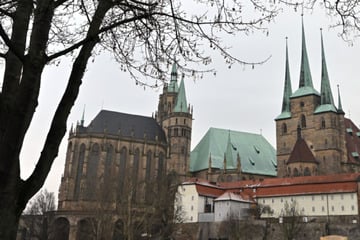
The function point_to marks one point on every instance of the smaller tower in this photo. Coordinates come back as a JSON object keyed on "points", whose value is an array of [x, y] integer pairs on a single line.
{"points": [[175, 117]]}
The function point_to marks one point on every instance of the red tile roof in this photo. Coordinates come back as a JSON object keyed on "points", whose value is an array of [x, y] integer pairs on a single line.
{"points": [[338, 183]]}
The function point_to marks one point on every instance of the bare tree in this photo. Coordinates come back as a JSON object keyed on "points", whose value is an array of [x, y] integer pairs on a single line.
{"points": [[41, 203], [345, 15], [34, 34], [292, 224]]}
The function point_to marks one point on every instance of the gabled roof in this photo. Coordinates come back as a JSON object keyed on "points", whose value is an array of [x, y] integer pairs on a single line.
{"points": [[256, 154], [125, 125], [301, 153], [237, 197]]}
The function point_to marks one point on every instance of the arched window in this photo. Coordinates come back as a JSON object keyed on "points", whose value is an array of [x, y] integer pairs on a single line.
{"points": [[160, 165], [303, 121], [296, 172], [284, 128], [122, 171], [79, 171], [118, 230], [60, 229], [323, 125], [148, 172], [68, 160], [307, 172], [135, 173], [91, 174], [108, 165]]}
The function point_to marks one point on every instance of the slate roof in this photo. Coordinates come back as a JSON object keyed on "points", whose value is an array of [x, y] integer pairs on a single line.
{"points": [[301, 153], [126, 125], [256, 154]]}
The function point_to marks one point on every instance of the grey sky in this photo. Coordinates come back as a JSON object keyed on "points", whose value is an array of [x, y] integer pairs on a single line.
{"points": [[242, 99]]}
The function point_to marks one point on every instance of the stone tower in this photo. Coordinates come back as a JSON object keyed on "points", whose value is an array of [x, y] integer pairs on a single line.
{"points": [[313, 114], [174, 115]]}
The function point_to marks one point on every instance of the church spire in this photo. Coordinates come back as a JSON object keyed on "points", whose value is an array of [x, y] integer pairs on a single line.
{"points": [[340, 109], [173, 86], [285, 110], [326, 95], [82, 121], [181, 103], [305, 74], [305, 83]]}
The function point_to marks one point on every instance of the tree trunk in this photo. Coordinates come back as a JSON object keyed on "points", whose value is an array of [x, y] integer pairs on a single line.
{"points": [[9, 219]]}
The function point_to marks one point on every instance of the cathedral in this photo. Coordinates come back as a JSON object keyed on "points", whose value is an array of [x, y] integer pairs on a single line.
{"points": [[118, 156], [312, 135]]}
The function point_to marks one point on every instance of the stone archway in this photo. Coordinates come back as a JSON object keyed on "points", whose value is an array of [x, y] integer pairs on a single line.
{"points": [[86, 229], [59, 229]]}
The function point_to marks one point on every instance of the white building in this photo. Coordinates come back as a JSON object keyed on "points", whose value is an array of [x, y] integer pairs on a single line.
{"points": [[315, 197]]}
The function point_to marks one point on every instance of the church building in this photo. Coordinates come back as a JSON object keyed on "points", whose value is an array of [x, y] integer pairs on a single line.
{"points": [[312, 135]]}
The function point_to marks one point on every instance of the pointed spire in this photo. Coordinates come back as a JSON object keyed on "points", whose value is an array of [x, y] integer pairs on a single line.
{"points": [[305, 74], [181, 103], [228, 155], [285, 110], [305, 83], [83, 117], [173, 86], [287, 85], [326, 95], [340, 109]]}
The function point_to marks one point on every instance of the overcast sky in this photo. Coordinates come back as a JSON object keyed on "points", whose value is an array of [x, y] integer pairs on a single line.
{"points": [[242, 99]]}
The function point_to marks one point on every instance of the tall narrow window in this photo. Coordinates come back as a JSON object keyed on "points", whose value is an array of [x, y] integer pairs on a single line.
{"points": [[107, 169], [303, 121], [160, 165], [135, 173], [323, 125], [284, 128], [148, 179], [307, 172], [91, 175], [122, 171], [79, 171], [296, 172]]}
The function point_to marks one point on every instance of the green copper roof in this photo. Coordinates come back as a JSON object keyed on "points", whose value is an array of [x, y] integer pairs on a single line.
{"points": [[325, 108], [256, 154], [326, 94], [340, 109], [181, 103], [285, 110], [173, 86], [305, 83]]}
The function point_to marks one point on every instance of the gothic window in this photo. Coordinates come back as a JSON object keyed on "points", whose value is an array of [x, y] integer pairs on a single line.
{"points": [[135, 173], [176, 121], [68, 159], [148, 172], [284, 128], [91, 174], [303, 121], [108, 164], [307, 172], [122, 169], [169, 132], [323, 125], [79, 171], [296, 172], [176, 132], [160, 165], [302, 104]]}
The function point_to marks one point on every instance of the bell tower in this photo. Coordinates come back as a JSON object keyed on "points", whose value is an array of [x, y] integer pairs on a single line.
{"points": [[175, 116]]}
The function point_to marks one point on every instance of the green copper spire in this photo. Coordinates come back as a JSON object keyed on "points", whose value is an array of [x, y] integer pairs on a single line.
{"points": [[305, 83], [285, 110], [181, 103], [326, 97], [229, 156], [340, 109], [173, 86]]}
